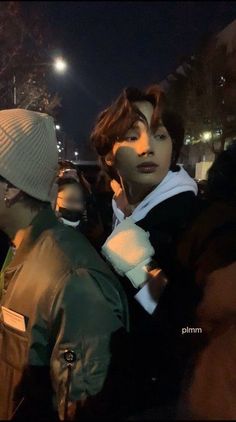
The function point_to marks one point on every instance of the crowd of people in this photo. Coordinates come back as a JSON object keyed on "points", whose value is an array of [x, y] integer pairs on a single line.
{"points": [[117, 299]]}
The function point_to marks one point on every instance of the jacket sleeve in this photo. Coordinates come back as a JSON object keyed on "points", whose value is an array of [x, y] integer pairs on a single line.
{"points": [[82, 322]]}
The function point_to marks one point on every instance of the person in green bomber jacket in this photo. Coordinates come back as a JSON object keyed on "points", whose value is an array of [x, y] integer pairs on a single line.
{"points": [[63, 313]]}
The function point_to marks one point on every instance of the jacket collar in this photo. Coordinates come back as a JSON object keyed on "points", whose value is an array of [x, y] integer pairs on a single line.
{"points": [[44, 220]]}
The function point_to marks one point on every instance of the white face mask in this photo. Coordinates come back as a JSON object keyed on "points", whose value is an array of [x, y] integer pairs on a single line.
{"points": [[73, 224]]}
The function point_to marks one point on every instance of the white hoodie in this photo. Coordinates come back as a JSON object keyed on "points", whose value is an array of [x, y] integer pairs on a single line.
{"points": [[173, 184]]}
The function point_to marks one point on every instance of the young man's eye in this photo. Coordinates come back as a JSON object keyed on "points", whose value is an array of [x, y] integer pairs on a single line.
{"points": [[131, 137], [160, 136]]}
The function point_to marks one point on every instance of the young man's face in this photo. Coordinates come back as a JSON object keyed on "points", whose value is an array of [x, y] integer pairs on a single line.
{"points": [[142, 157]]}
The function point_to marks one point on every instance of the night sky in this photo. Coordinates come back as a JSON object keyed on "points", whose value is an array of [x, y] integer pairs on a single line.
{"points": [[111, 45]]}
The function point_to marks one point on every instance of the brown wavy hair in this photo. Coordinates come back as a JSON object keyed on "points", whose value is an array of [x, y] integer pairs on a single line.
{"points": [[114, 122]]}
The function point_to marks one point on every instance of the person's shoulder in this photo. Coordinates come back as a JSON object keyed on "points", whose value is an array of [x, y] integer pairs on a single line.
{"points": [[213, 214], [64, 251], [214, 230], [83, 263], [65, 247], [74, 243], [183, 198], [183, 205]]}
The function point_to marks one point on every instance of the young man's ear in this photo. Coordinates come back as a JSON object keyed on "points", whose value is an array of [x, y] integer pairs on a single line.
{"points": [[109, 159]]}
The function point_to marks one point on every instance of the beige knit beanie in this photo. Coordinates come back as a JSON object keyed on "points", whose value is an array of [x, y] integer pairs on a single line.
{"points": [[28, 151]]}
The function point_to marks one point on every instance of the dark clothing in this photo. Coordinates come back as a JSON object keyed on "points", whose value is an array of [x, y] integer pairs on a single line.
{"points": [[95, 227], [209, 249], [159, 355], [210, 244], [104, 207], [63, 297], [210, 392], [4, 246]]}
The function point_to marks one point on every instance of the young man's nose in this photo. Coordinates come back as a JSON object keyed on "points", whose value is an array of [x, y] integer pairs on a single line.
{"points": [[145, 145]]}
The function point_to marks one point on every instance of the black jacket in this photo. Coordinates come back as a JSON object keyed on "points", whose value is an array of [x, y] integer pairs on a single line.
{"points": [[158, 353]]}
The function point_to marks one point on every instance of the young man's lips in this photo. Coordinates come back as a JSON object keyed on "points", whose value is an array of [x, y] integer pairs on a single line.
{"points": [[147, 167]]}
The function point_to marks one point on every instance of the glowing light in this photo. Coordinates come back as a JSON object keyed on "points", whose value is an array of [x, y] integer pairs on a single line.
{"points": [[207, 136], [60, 65]]}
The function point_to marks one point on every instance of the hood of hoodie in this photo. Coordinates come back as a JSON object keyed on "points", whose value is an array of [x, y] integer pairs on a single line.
{"points": [[173, 184]]}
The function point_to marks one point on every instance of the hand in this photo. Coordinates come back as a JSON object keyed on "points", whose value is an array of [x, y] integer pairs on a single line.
{"points": [[120, 198], [129, 250], [156, 283], [150, 292]]}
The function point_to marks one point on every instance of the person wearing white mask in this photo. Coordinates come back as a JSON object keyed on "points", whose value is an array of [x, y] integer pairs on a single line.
{"points": [[71, 205], [139, 141]]}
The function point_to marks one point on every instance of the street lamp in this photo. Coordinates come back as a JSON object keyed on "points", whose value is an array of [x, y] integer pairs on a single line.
{"points": [[58, 127], [76, 155], [60, 65]]}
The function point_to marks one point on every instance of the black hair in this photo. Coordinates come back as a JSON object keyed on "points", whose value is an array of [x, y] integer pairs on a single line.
{"points": [[66, 164], [221, 181], [65, 181]]}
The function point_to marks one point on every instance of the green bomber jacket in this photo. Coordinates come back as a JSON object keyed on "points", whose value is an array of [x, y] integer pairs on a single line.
{"points": [[58, 296]]}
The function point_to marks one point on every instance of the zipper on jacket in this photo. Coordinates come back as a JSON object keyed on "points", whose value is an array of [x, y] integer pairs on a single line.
{"points": [[70, 358]]}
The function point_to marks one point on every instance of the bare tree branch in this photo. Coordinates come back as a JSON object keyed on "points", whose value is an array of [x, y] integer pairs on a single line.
{"points": [[22, 52]]}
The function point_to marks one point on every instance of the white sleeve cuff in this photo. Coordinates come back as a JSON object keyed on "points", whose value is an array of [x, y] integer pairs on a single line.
{"points": [[139, 274], [145, 299]]}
